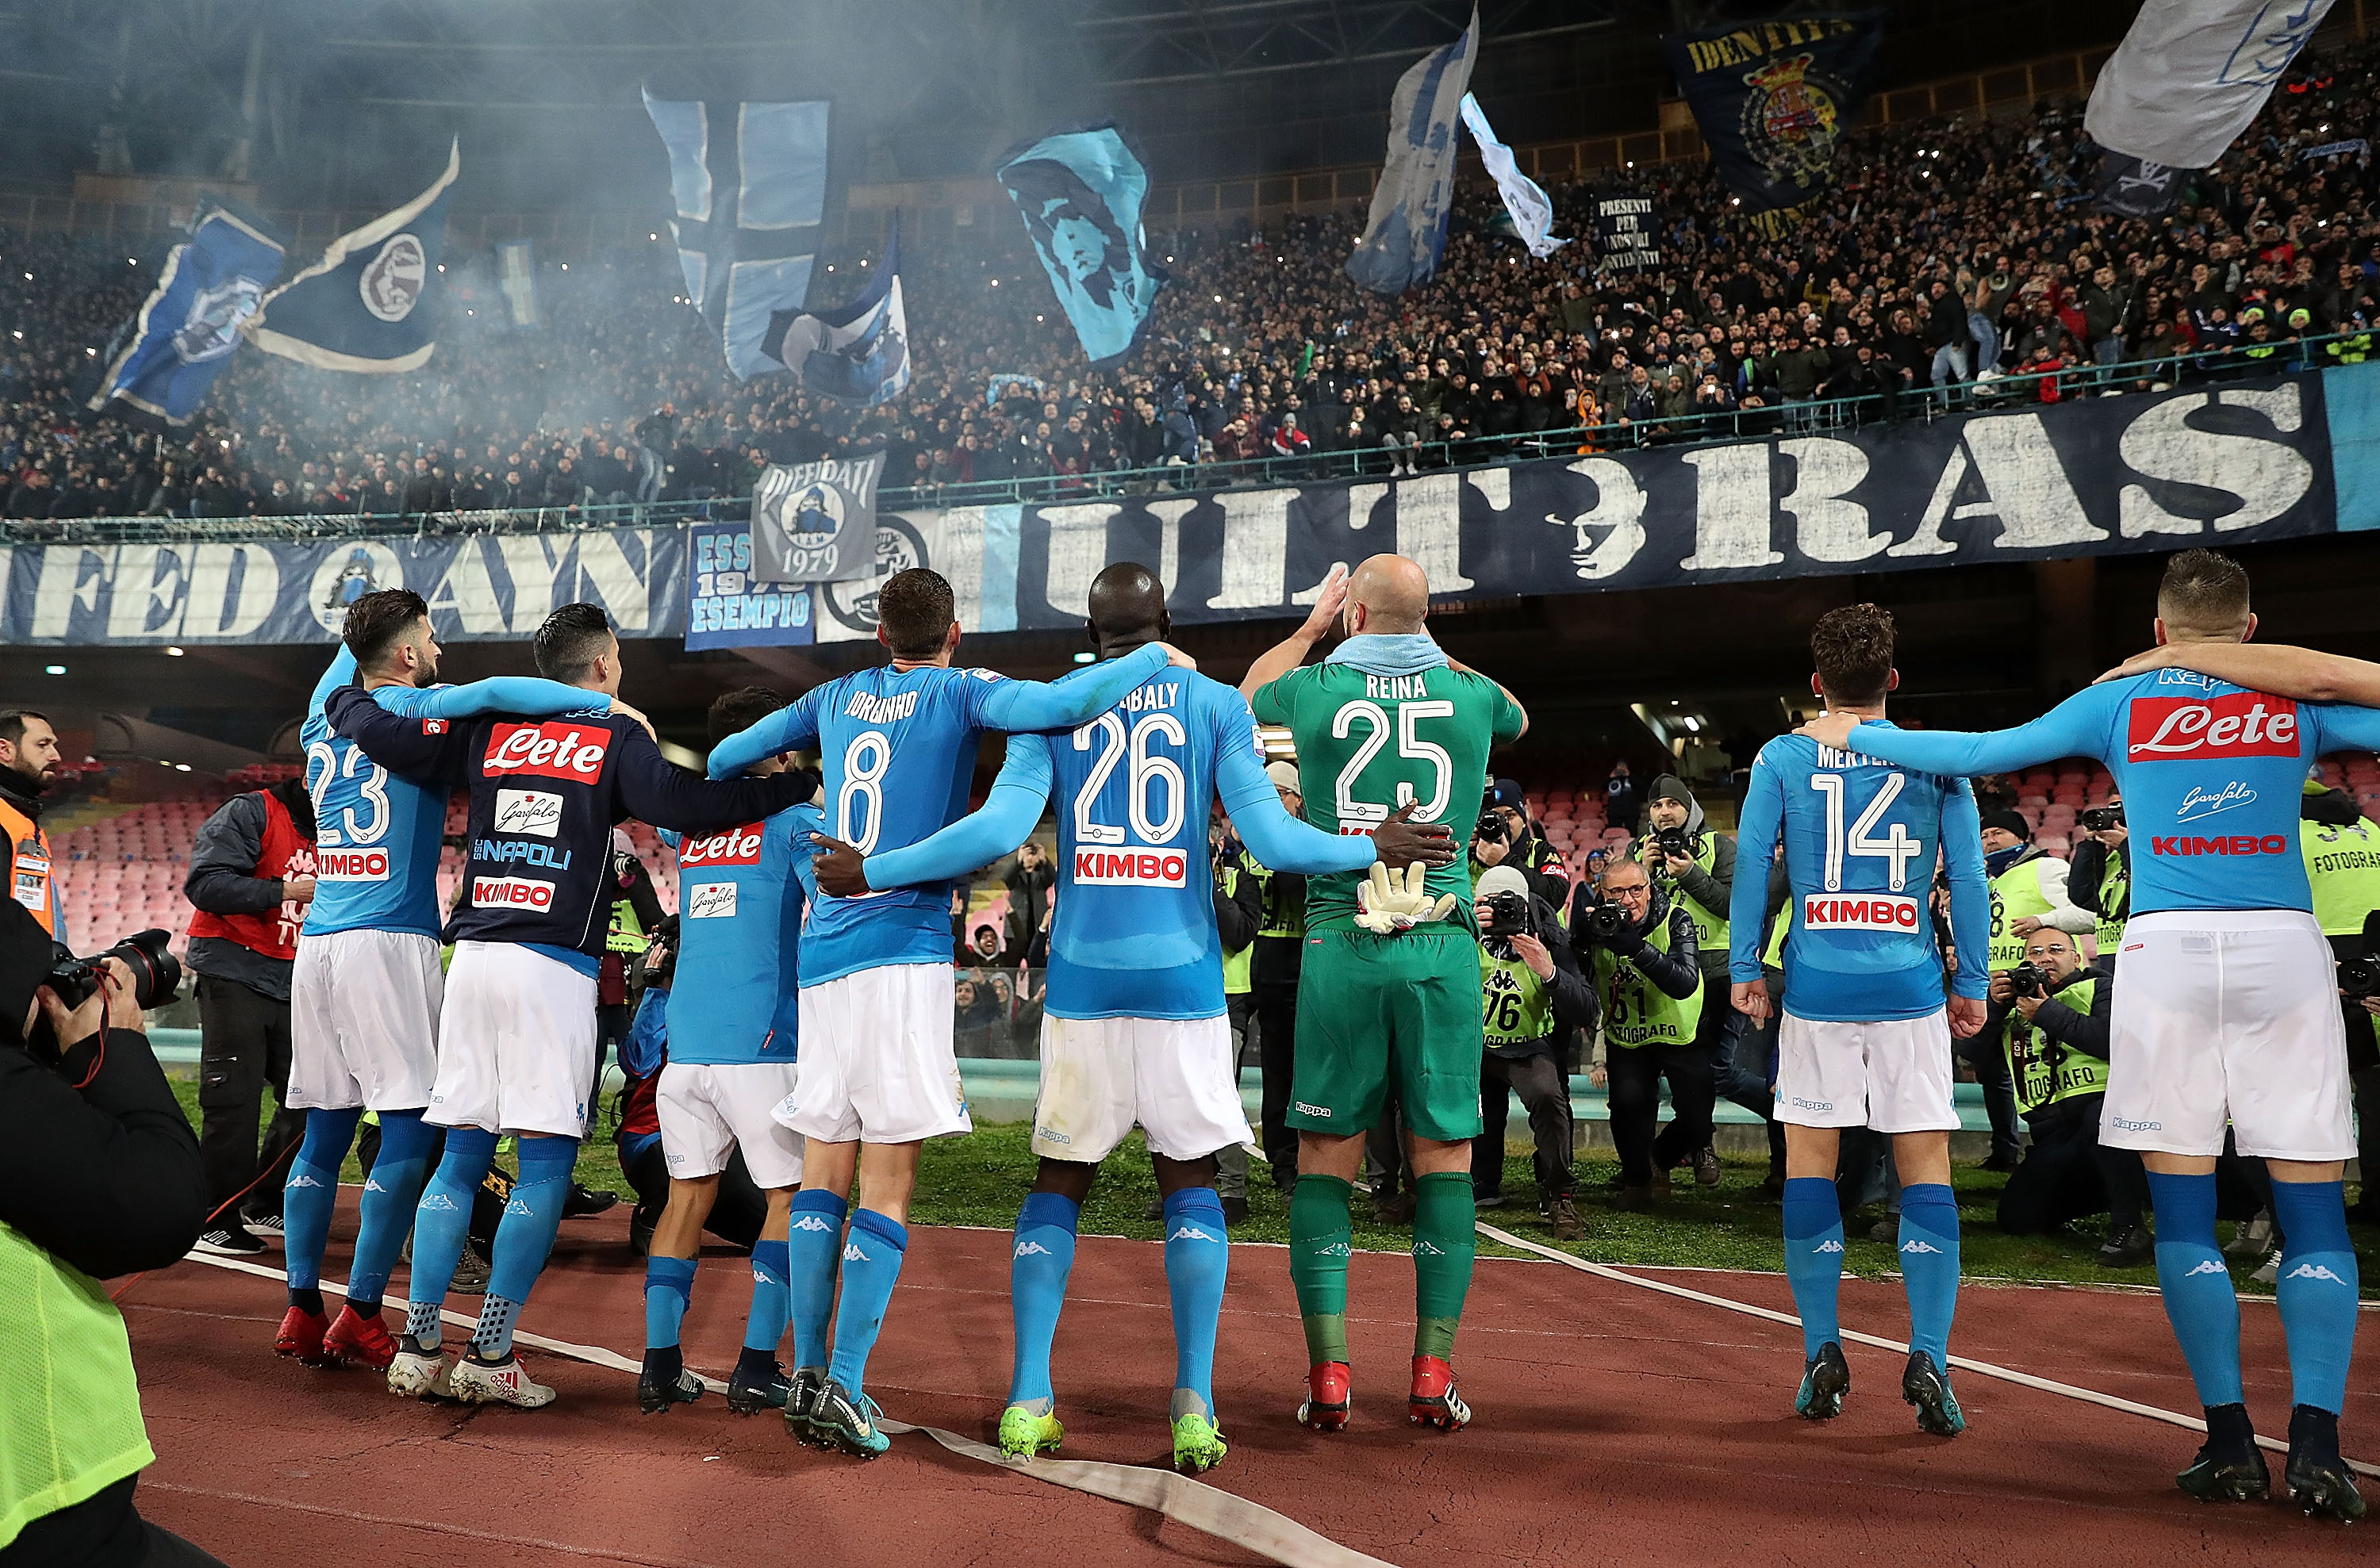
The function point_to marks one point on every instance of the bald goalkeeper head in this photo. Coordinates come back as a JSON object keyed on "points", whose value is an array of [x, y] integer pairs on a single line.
{"points": [[1386, 595]]}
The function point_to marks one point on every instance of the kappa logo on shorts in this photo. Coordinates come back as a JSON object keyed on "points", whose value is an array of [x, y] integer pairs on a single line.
{"points": [[1913, 1244], [2313, 1271], [2207, 1266], [2123, 1126], [371, 1183], [1051, 1135], [1305, 1110], [812, 1222], [1801, 1104], [1031, 1250]]}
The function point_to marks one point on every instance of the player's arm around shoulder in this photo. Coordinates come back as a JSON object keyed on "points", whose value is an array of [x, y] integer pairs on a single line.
{"points": [[433, 750]]}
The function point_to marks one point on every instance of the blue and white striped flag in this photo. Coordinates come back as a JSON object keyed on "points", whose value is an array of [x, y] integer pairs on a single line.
{"points": [[750, 183], [1407, 231], [188, 328], [516, 281], [860, 353], [1533, 216]]}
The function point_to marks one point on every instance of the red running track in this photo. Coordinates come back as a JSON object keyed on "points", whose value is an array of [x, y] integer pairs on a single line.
{"points": [[1615, 1424]]}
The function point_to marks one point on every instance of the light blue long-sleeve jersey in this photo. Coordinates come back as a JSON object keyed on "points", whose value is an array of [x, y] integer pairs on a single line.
{"points": [[376, 835], [2211, 775], [1861, 841], [1133, 934], [740, 897], [897, 748]]}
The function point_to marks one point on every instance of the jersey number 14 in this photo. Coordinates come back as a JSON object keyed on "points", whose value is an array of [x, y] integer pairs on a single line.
{"points": [[1896, 849]]}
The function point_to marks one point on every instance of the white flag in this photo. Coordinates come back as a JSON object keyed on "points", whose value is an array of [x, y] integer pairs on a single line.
{"points": [[2190, 74], [1533, 216], [1406, 234]]}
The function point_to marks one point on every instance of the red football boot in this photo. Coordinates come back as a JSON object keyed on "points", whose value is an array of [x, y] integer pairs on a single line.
{"points": [[301, 1335], [361, 1339], [1330, 1395], [1434, 1402]]}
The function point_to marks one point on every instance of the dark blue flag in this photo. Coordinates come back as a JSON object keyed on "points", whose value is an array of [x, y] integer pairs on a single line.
{"points": [[748, 185], [1081, 193], [187, 329], [368, 304], [860, 353], [1773, 99]]}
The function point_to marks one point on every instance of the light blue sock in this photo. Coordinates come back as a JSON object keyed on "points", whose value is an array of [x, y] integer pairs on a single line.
{"points": [[1929, 1266], [1039, 1267], [772, 1297], [2199, 1300], [2318, 1289], [1197, 1261], [1814, 1258], [308, 1196], [811, 1246], [526, 1234], [440, 1225], [669, 1282], [391, 1193], [871, 1266]]}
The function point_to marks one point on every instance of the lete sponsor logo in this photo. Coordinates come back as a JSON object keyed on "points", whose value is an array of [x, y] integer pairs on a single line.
{"points": [[737, 846], [1131, 868], [2197, 803], [533, 812], [2241, 724], [1871, 911], [511, 893], [350, 865], [551, 750]]}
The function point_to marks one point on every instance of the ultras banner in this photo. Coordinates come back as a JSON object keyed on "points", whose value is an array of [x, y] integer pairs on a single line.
{"points": [[2240, 462]]}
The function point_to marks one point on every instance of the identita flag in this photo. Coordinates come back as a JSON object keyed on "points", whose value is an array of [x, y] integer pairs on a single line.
{"points": [[860, 353], [1773, 99], [1406, 234], [369, 304], [1081, 193], [188, 328], [749, 183], [2184, 83]]}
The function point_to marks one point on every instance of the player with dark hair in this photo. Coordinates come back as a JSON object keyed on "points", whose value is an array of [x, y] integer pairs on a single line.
{"points": [[1135, 1029], [1864, 1040], [877, 1074], [365, 988], [574, 644], [2226, 1011], [732, 1025]]}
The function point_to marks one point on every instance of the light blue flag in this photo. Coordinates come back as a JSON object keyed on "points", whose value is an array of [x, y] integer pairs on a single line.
{"points": [[1533, 216], [1407, 231], [188, 326], [749, 182], [1081, 193], [516, 281]]}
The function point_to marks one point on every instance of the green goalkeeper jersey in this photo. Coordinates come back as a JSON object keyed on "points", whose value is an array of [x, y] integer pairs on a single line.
{"points": [[1368, 743]]}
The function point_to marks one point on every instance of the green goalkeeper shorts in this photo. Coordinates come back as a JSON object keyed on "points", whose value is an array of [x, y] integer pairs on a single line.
{"points": [[1376, 1011]]}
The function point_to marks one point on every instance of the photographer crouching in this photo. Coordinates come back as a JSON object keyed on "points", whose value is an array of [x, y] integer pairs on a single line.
{"points": [[99, 1176], [2055, 1010], [1531, 997], [1642, 960]]}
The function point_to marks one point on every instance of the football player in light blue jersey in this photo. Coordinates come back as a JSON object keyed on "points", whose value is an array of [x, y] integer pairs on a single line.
{"points": [[2226, 1012], [733, 1029], [1866, 1036], [877, 1075], [365, 988], [1134, 1028]]}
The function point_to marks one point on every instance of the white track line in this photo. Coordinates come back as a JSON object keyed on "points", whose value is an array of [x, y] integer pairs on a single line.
{"points": [[1986, 1369], [1225, 1516]]}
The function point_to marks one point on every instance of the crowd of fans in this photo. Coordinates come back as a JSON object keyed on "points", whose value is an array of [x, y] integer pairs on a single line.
{"points": [[1962, 260]]}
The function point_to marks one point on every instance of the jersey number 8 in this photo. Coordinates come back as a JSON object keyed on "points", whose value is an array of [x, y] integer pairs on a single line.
{"points": [[864, 762]]}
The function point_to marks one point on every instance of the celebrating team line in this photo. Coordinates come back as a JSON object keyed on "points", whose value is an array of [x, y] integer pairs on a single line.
{"points": [[808, 1024]]}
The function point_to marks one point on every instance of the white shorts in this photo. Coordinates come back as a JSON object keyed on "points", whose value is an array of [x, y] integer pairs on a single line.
{"points": [[517, 1042], [1177, 1078], [877, 1063], [707, 1108], [2228, 1016], [1893, 1076], [363, 1020]]}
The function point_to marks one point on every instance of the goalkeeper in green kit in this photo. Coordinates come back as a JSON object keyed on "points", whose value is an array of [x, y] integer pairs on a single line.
{"points": [[1390, 990]]}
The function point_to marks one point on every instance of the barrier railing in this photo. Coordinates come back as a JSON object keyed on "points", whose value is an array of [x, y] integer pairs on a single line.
{"points": [[1811, 416]]}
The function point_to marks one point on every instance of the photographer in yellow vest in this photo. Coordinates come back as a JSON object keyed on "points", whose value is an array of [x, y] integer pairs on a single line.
{"points": [[1638, 948], [2028, 894], [2342, 860], [1532, 998], [2056, 1043], [2100, 875]]}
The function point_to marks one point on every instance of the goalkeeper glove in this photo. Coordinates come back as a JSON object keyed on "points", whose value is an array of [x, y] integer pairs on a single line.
{"points": [[1388, 903]]}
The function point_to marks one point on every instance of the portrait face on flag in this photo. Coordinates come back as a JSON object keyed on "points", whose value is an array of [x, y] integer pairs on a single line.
{"points": [[1073, 226]]}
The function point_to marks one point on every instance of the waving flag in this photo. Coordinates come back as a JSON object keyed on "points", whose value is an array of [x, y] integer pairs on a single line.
{"points": [[749, 182], [1531, 214], [368, 304], [1407, 231], [1081, 192], [1774, 98], [189, 326], [860, 353], [2190, 74]]}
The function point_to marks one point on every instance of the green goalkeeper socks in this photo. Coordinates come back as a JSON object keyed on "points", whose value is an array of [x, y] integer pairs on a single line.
{"points": [[1319, 1239], [1444, 1245]]}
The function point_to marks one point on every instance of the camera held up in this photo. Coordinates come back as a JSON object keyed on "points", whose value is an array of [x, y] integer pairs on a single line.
{"points": [[156, 976]]}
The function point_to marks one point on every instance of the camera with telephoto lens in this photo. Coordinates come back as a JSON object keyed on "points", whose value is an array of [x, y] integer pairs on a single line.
{"points": [[2359, 977], [156, 975], [1505, 914], [2030, 979], [1675, 842], [1603, 921], [2098, 819], [1492, 826]]}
